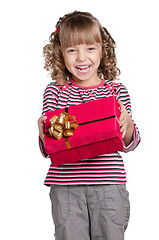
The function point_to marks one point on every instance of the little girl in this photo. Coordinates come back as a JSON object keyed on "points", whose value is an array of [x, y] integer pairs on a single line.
{"points": [[89, 198]]}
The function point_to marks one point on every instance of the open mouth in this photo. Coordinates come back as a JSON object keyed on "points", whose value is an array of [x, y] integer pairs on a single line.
{"points": [[83, 69]]}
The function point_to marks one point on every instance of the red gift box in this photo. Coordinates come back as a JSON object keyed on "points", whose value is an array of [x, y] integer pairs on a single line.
{"points": [[98, 132]]}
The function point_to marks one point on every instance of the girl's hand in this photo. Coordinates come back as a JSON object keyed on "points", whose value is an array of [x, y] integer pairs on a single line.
{"points": [[126, 124], [41, 125]]}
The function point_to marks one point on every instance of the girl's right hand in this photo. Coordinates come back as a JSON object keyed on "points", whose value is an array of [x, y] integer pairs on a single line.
{"points": [[41, 126]]}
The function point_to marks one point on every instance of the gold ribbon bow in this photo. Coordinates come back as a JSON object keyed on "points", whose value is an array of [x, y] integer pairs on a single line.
{"points": [[63, 126]]}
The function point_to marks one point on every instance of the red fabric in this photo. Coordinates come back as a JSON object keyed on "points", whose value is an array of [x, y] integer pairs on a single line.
{"points": [[91, 139]]}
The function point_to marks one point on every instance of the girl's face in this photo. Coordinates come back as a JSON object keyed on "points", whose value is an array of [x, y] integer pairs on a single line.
{"points": [[83, 61]]}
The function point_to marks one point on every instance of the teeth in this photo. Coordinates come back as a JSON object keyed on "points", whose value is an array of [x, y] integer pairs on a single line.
{"points": [[82, 68]]}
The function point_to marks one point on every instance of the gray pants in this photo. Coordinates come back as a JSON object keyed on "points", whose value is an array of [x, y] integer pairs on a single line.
{"points": [[91, 212]]}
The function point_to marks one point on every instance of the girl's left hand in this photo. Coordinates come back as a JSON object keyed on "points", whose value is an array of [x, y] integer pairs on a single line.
{"points": [[126, 124], [41, 125]]}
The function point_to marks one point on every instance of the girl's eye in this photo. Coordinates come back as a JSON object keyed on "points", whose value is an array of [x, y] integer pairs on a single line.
{"points": [[91, 48], [71, 50]]}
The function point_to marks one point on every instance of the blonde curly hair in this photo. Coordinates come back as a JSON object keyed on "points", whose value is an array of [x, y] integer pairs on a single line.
{"points": [[78, 28]]}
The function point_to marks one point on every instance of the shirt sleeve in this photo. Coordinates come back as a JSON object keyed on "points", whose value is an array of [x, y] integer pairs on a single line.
{"points": [[49, 104], [123, 95], [50, 98]]}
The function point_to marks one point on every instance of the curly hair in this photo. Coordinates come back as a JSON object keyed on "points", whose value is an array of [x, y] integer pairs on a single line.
{"points": [[77, 28]]}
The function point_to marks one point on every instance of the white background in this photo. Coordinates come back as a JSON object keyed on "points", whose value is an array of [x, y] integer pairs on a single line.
{"points": [[25, 209]]}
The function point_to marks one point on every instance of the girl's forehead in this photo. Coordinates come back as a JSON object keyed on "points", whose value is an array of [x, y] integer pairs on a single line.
{"points": [[77, 36], [84, 45]]}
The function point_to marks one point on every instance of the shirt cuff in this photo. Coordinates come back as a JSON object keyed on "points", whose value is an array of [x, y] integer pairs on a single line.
{"points": [[134, 143], [42, 148]]}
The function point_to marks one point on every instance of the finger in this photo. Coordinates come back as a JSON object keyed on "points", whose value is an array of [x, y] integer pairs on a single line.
{"points": [[121, 118], [42, 134], [41, 119], [123, 131], [122, 121], [42, 137], [41, 130], [41, 123], [123, 128], [121, 105], [123, 134], [41, 127], [123, 114]]}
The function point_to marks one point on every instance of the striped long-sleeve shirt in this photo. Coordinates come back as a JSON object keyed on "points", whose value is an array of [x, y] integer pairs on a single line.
{"points": [[104, 169]]}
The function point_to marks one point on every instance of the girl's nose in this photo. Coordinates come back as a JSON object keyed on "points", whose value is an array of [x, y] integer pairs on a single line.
{"points": [[81, 56]]}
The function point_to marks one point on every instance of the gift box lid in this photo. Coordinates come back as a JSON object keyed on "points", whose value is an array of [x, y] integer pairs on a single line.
{"points": [[98, 121]]}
